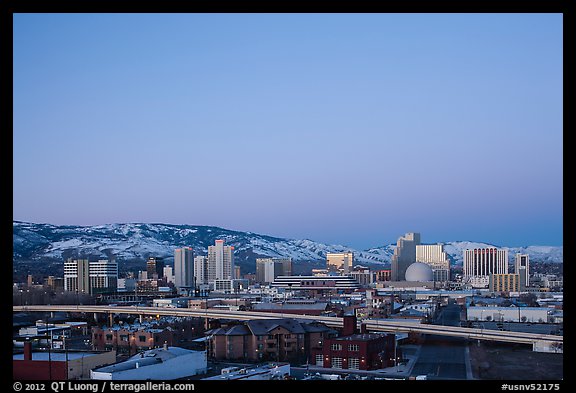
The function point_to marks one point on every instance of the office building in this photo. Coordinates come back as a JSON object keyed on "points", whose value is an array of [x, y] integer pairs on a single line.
{"points": [[480, 263], [184, 267], [220, 261], [363, 275], [155, 268], [76, 275], [55, 283], [341, 262], [505, 283], [267, 269], [103, 276], [522, 267], [404, 255], [169, 274], [200, 270]]}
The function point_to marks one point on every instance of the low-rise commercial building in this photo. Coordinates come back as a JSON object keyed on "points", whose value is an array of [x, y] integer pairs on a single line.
{"points": [[508, 314], [51, 365], [296, 306], [165, 363], [258, 373]]}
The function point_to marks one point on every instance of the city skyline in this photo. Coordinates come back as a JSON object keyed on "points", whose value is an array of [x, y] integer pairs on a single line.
{"points": [[342, 128]]}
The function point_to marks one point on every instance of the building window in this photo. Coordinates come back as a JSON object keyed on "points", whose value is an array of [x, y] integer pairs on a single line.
{"points": [[123, 337], [259, 338], [260, 347], [287, 336], [319, 360], [353, 363], [336, 362], [270, 337], [354, 347], [108, 337], [142, 339], [336, 347]]}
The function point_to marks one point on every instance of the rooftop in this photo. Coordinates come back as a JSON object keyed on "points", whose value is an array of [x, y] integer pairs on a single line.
{"points": [[56, 356], [146, 358], [360, 337]]}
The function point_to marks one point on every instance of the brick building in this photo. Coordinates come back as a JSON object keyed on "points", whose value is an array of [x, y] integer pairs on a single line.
{"points": [[57, 365], [282, 339], [356, 351], [368, 351], [134, 338]]}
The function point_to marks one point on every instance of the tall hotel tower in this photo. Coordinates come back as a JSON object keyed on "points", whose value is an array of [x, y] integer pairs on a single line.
{"points": [[480, 263], [522, 267], [434, 256], [200, 270], [184, 267], [404, 255], [220, 261]]}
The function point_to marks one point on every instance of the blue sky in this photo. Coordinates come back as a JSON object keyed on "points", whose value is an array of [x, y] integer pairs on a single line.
{"points": [[342, 128]]}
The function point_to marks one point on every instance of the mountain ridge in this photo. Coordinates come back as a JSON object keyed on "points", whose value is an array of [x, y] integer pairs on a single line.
{"points": [[138, 241]]}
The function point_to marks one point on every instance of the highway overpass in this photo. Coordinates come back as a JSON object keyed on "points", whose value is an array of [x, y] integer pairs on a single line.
{"points": [[538, 341]]}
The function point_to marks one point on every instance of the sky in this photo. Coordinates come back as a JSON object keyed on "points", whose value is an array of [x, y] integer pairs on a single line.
{"points": [[348, 129]]}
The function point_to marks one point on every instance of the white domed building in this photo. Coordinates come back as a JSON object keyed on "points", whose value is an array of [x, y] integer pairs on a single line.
{"points": [[419, 272]]}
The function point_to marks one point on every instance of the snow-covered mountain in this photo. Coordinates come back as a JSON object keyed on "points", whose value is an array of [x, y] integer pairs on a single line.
{"points": [[138, 241]]}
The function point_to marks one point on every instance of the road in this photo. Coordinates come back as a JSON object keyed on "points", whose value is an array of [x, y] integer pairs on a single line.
{"points": [[372, 325], [443, 357]]}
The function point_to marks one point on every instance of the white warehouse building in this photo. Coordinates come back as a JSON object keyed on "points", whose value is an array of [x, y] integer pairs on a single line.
{"points": [[508, 314], [157, 364]]}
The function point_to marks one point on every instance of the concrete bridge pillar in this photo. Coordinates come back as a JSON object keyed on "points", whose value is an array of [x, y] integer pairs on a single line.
{"points": [[111, 319], [96, 317]]}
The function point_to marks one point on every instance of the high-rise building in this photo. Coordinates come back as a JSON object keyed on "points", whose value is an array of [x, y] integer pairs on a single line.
{"points": [[83, 276], [480, 263], [434, 256], [103, 275], [220, 261], [404, 255], [184, 267], [286, 266], [340, 261], [200, 270], [522, 267], [267, 269], [55, 283], [76, 275], [169, 274], [155, 268]]}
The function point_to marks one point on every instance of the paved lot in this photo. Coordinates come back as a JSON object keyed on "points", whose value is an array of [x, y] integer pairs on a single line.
{"points": [[514, 362]]}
